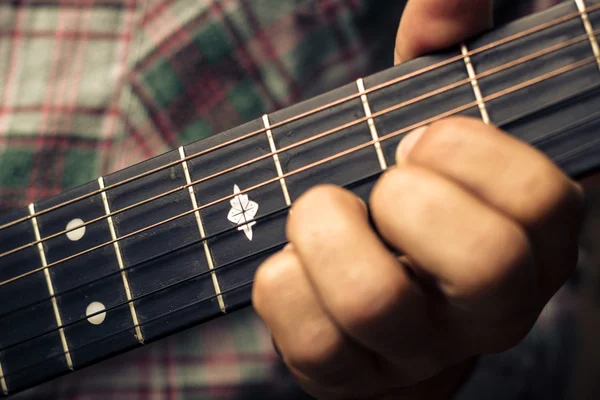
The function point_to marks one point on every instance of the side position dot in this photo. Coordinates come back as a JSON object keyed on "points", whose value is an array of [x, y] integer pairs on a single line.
{"points": [[78, 233], [93, 308]]}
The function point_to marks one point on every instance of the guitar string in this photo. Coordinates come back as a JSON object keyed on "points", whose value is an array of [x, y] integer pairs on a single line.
{"points": [[153, 258], [396, 107], [465, 107], [538, 140], [141, 325], [107, 189], [433, 67], [227, 265], [180, 282]]}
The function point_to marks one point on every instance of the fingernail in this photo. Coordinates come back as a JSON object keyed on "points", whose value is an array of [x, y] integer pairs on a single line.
{"points": [[288, 246], [407, 143]]}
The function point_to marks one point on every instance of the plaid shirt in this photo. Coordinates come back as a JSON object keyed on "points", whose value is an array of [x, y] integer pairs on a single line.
{"points": [[91, 86]]}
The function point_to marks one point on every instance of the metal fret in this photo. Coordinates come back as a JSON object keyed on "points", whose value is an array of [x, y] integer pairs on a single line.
{"points": [[473, 77], [371, 123], [284, 188], [113, 234], [589, 29], [207, 251], [3, 381], [57, 316]]}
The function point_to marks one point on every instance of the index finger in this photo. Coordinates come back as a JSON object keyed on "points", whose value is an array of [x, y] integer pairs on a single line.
{"points": [[429, 25]]}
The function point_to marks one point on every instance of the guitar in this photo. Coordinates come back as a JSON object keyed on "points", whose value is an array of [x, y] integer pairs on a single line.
{"points": [[174, 241]]}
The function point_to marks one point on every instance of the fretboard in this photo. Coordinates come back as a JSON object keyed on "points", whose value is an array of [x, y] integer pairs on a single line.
{"points": [[175, 241]]}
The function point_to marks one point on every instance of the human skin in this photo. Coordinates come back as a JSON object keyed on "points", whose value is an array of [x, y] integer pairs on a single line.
{"points": [[489, 230]]}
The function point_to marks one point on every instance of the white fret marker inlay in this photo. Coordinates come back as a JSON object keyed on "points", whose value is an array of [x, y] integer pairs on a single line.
{"points": [[284, 189], [207, 251], [113, 234], [50, 286], [3, 381], [75, 234], [374, 135], [473, 77], [93, 308], [242, 210], [589, 29]]}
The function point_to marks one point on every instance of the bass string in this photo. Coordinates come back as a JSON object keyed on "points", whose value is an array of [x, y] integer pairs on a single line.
{"points": [[367, 91], [258, 253], [153, 258], [455, 111], [151, 293], [396, 107]]}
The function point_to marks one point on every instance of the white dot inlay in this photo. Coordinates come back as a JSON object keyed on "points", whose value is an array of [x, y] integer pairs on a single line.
{"points": [[95, 307], [75, 234]]}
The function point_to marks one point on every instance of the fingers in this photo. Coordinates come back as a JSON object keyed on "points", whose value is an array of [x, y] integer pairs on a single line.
{"points": [[474, 252], [312, 346], [361, 285], [429, 25], [525, 185]]}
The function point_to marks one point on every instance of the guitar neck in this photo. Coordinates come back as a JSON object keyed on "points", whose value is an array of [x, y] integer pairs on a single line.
{"points": [[175, 241]]}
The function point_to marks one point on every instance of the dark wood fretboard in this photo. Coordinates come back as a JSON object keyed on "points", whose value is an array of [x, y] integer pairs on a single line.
{"points": [[175, 241]]}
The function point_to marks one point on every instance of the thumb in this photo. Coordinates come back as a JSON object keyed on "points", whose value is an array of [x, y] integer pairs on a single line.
{"points": [[429, 25]]}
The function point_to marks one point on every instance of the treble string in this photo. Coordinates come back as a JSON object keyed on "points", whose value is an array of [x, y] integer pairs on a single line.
{"points": [[428, 121], [433, 67], [358, 121]]}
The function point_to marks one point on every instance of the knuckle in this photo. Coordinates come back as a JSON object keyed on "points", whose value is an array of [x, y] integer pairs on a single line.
{"points": [[545, 195], [390, 184], [363, 306], [315, 348], [498, 261]]}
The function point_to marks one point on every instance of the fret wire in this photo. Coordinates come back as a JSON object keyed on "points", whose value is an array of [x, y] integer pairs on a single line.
{"points": [[93, 342], [475, 84], [433, 67], [156, 257], [266, 216], [207, 252], [327, 159], [589, 29], [187, 279], [115, 241], [226, 265], [3, 381], [57, 317], [492, 71], [374, 135], [371, 176], [275, 153], [231, 263], [166, 287]]}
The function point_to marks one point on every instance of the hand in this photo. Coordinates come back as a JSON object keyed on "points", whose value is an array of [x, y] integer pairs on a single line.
{"points": [[489, 229]]}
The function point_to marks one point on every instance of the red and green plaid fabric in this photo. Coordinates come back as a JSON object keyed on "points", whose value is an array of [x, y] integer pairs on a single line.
{"points": [[91, 86]]}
